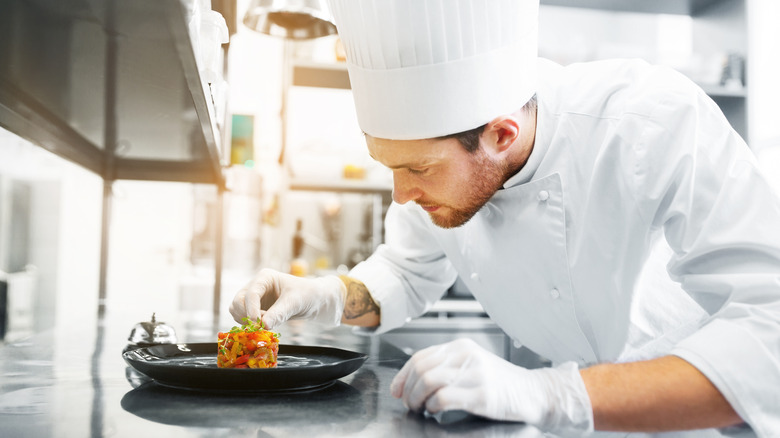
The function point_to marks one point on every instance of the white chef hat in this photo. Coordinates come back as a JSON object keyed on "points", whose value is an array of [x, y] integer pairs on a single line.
{"points": [[428, 68]]}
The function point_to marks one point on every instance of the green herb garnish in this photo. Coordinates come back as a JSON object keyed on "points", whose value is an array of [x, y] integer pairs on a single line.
{"points": [[251, 326]]}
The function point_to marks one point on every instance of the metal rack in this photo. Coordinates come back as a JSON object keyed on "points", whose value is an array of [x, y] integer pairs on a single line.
{"points": [[114, 87], [684, 7], [718, 26]]}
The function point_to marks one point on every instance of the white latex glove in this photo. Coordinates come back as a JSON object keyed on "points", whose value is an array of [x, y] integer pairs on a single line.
{"points": [[461, 375], [276, 297]]}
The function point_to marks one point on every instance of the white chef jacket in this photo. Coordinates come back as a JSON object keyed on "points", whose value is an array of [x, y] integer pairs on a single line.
{"points": [[626, 155]]}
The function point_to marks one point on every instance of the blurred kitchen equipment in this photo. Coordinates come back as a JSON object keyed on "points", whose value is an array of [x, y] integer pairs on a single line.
{"points": [[3, 305], [298, 266], [20, 290], [148, 333], [292, 19], [365, 245], [733, 72]]}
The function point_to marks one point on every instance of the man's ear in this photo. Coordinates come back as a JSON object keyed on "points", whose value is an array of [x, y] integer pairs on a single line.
{"points": [[502, 132]]}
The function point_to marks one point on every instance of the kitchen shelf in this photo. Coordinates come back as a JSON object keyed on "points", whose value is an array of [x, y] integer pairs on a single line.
{"points": [[113, 86], [721, 91], [320, 74], [457, 306], [334, 75], [341, 186], [678, 7]]}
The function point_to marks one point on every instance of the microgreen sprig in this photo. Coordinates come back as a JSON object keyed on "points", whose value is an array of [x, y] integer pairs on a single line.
{"points": [[250, 326]]}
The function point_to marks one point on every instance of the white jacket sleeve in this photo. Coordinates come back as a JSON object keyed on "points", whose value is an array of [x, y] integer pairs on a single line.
{"points": [[407, 273], [722, 219]]}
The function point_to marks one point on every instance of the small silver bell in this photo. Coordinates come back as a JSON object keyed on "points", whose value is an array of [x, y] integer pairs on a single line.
{"points": [[148, 333]]}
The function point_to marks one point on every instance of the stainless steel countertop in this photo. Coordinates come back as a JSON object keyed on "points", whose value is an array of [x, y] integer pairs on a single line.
{"points": [[73, 382]]}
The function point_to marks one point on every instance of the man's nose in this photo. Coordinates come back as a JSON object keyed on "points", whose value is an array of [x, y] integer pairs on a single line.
{"points": [[403, 190]]}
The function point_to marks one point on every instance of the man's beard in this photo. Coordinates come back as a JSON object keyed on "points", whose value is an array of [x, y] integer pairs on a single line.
{"points": [[486, 179]]}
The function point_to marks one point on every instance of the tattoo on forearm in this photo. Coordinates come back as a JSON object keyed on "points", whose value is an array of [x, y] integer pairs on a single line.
{"points": [[359, 301]]}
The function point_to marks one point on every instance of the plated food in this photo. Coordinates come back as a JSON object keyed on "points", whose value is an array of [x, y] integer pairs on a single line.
{"points": [[248, 346]]}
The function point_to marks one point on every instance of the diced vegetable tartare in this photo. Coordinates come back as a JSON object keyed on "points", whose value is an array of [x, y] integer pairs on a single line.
{"points": [[248, 346]]}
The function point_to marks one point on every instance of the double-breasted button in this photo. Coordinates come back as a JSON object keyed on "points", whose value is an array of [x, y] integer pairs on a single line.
{"points": [[474, 276], [555, 294], [543, 196]]}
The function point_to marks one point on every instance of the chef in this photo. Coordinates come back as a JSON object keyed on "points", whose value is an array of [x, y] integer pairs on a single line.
{"points": [[604, 214]]}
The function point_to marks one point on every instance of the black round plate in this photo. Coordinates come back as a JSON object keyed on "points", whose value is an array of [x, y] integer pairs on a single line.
{"points": [[194, 366]]}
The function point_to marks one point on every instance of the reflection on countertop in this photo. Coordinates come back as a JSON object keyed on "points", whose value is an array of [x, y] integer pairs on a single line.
{"points": [[339, 404], [57, 384]]}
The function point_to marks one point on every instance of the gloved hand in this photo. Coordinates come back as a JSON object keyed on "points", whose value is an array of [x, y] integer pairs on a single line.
{"points": [[276, 297], [461, 375]]}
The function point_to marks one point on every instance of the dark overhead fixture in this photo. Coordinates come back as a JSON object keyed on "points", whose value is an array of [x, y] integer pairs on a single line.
{"points": [[291, 19]]}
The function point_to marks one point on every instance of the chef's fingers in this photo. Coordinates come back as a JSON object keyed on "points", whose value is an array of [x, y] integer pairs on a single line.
{"points": [[252, 302], [417, 365], [397, 385], [285, 307], [246, 304], [269, 285], [425, 386], [261, 292], [270, 319], [451, 398], [238, 306], [398, 382]]}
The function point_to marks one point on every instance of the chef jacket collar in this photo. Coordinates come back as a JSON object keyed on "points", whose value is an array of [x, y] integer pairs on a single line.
{"points": [[541, 143]]}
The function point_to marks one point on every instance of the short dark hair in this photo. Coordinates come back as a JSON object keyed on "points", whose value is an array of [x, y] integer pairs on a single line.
{"points": [[470, 139]]}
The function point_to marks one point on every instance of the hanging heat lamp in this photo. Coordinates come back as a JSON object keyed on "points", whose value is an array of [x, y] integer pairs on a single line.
{"points": [[290, 19]]}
